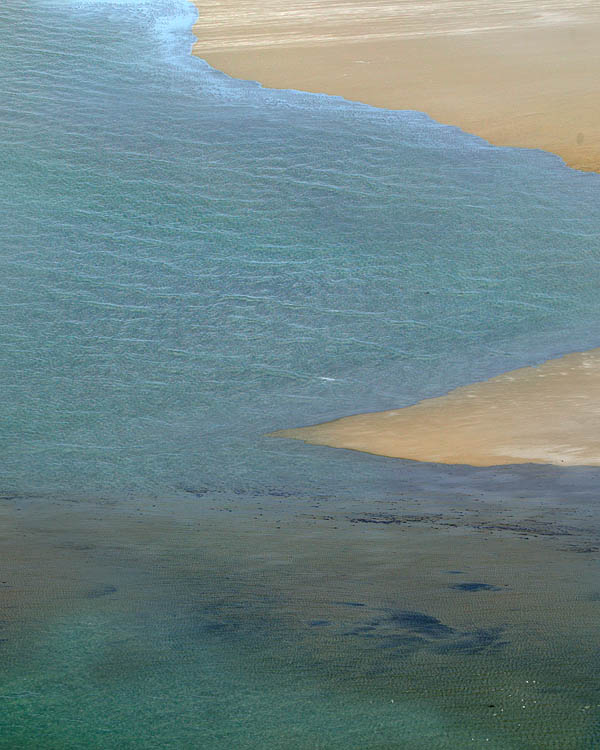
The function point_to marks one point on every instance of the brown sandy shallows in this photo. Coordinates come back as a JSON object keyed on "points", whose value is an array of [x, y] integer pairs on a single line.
{"points": [[450, 608], [516, 73], [547, 414]]}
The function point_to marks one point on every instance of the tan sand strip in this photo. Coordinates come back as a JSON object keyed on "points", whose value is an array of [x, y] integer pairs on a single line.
{"points": [[517, 74], [547, 414]]}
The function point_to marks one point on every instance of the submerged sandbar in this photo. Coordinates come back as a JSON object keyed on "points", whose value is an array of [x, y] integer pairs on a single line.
{"points": [[546, 414], [517, 74]]}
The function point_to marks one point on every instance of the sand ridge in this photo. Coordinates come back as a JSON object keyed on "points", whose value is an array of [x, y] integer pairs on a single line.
{"points": [[516, 74]]}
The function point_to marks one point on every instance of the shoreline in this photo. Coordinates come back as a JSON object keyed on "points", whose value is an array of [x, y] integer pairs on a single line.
{"points": [[513, 75], [541, 415], [528, 82]]}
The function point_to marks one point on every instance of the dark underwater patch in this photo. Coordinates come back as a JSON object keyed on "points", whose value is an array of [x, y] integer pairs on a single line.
{"points": [[403, 644], [474, 642], [418, 622], [407, 631], [101, 591], [196, 491], [363, 631], [475, 586]]}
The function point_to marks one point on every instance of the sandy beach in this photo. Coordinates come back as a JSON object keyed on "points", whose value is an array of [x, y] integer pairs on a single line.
{"points": [[514, 73]]}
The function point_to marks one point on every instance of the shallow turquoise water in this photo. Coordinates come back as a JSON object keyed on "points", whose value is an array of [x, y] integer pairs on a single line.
{"points": [[190, 262]]}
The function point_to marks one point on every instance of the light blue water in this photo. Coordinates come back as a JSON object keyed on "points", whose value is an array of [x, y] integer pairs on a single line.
{"points": [[189, 261]]}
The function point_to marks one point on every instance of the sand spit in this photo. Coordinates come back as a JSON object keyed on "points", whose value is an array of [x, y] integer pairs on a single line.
{"points": [[548, 414], [516, 74]]}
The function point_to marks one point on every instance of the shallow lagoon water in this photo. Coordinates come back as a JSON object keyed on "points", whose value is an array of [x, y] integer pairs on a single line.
{"points": [[297, 629], [190, 262]]}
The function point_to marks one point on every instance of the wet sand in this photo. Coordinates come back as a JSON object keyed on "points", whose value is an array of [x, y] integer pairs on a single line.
{"points": [[514, 74], [545, 414]]}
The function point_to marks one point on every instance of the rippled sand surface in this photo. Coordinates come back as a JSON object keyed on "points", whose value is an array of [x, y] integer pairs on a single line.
{"points": [[226, 24], [547, 414], [517, 74]]}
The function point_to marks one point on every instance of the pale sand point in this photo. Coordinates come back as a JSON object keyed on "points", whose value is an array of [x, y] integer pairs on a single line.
{"points": [[547, 414], [517, 73]]}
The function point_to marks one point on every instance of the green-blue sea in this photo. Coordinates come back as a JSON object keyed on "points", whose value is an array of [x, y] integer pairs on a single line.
{"points": [[189, 262]]}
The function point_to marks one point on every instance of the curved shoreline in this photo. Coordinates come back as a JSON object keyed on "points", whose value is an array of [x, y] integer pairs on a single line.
{"points": [[513, 76]]}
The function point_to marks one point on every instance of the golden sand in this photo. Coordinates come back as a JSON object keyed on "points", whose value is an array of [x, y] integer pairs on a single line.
{"points": [[547, 414], [517, 74]]}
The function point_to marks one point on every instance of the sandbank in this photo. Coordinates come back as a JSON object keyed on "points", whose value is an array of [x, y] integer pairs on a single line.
{"points": [[546, 414], [516, 74]]}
